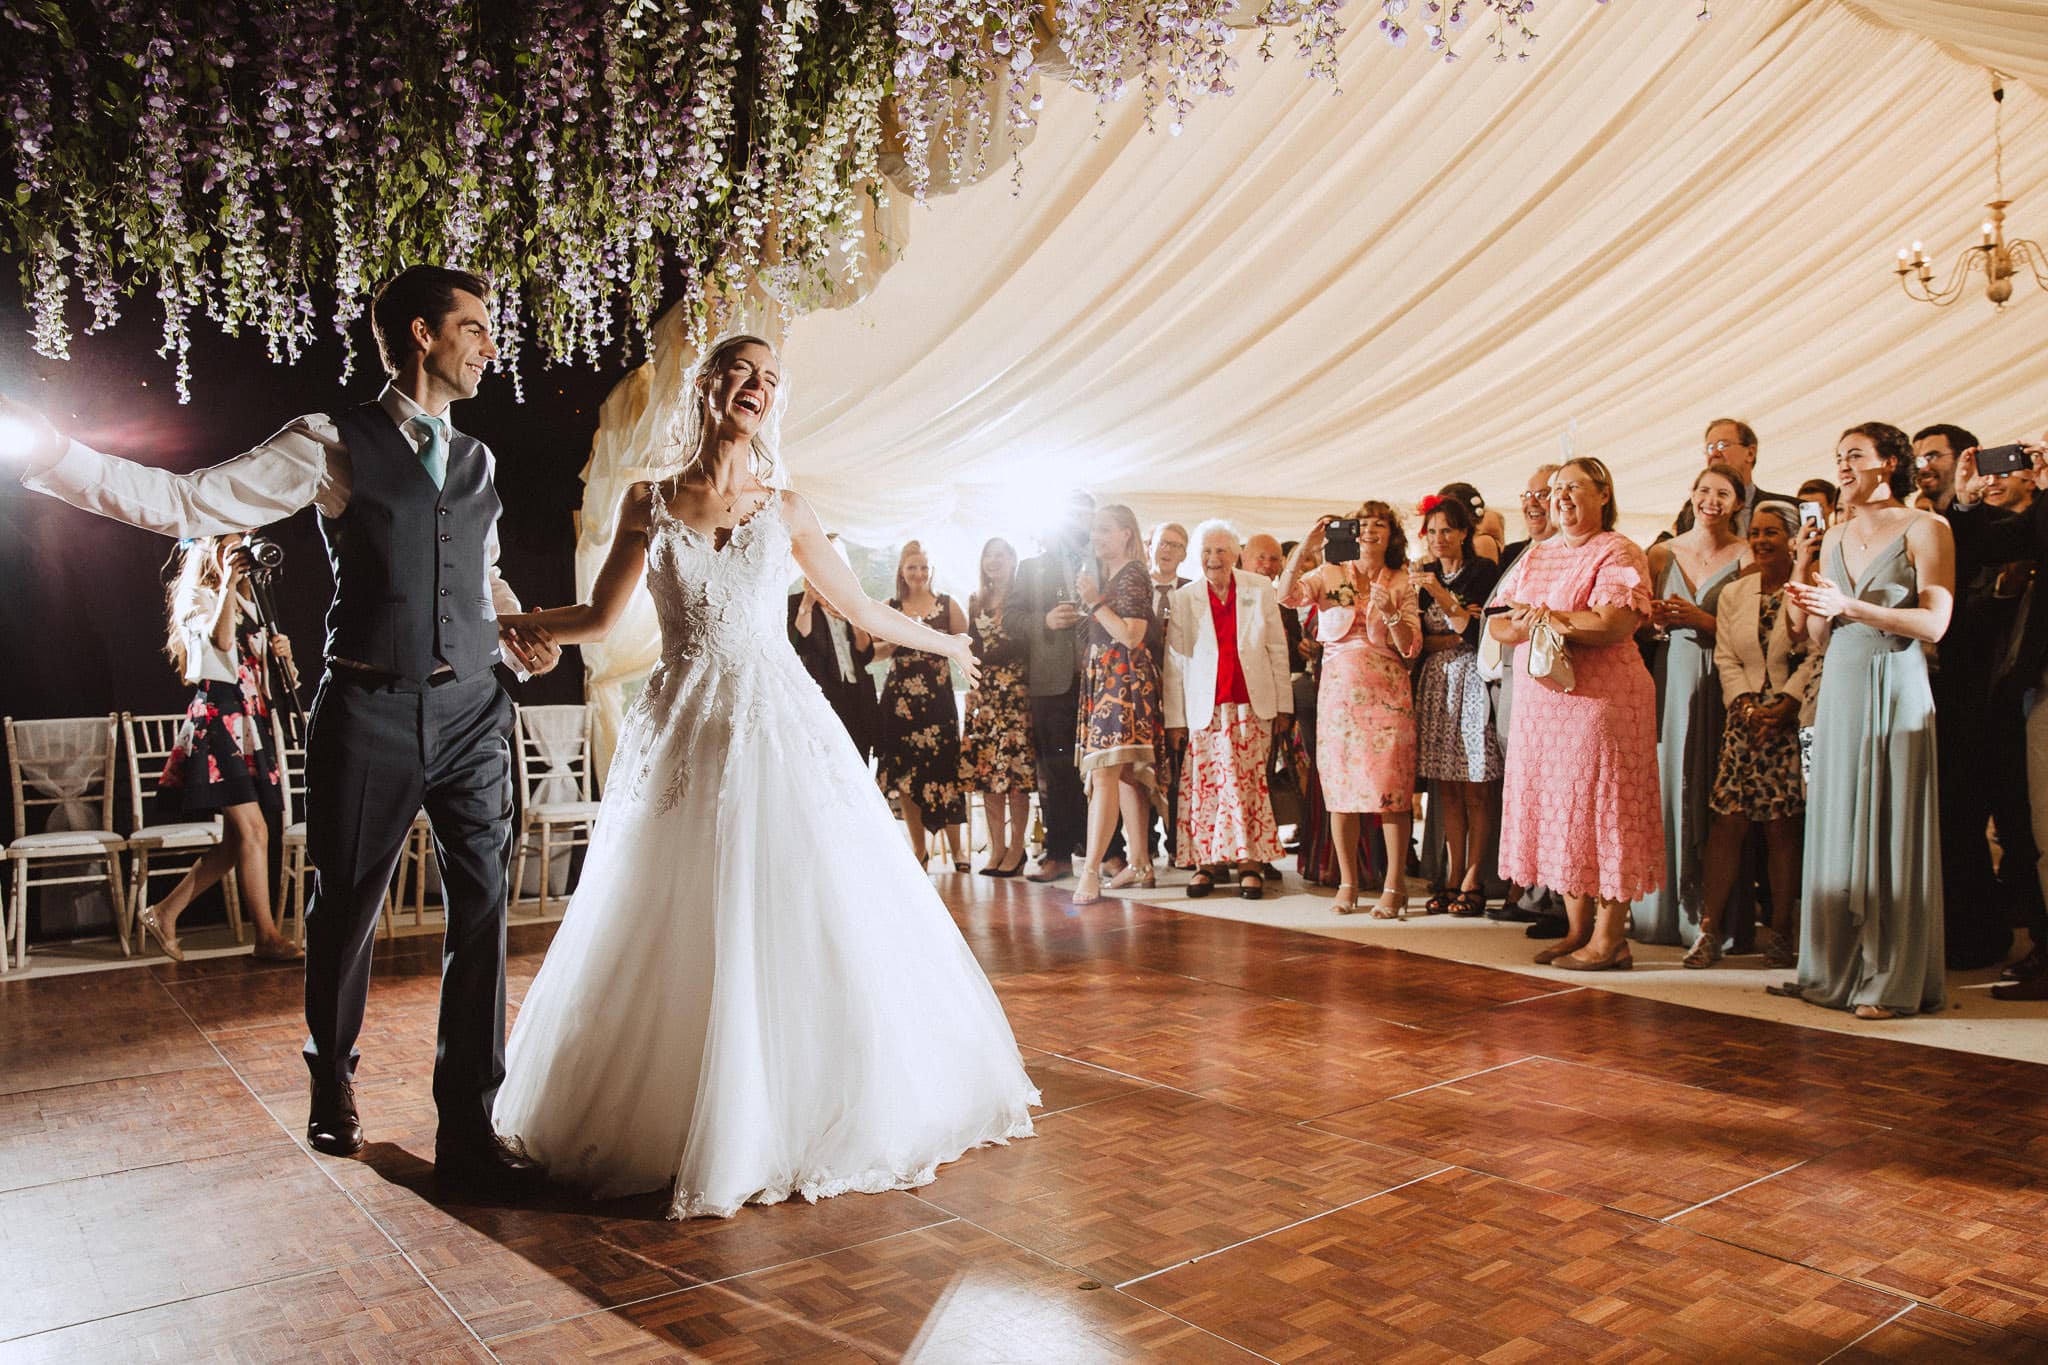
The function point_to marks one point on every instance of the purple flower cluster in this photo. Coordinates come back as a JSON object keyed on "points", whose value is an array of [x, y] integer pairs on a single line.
{"points": [[266, 162]]}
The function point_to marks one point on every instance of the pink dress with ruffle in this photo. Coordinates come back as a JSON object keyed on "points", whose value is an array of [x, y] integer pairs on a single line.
{"points": [[1581, 810]]}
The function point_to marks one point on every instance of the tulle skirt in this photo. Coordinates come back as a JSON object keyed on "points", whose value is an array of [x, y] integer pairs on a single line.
{"points": [[756, 992]]}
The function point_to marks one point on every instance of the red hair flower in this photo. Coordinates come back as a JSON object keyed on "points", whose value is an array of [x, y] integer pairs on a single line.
{"points": [[1429, 504]]}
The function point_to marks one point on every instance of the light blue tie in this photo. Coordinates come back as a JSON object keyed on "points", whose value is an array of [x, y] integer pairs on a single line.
{"points": [[434, 454]]}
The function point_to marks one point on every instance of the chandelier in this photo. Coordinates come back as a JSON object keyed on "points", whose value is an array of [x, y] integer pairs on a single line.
{"points": [[1999, 259]]}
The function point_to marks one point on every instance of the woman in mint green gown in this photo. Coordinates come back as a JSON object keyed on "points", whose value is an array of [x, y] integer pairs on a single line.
{"points": [[1689, 712], [1871, 932]]}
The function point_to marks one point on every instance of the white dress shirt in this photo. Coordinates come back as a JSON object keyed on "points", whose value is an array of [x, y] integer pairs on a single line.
{"points": [[306, 464]]}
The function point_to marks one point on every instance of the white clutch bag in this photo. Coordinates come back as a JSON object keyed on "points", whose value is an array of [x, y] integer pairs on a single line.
{"points": [[1550, 659]]}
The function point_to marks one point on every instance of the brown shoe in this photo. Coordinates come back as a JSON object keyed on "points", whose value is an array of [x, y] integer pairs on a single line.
{"points": [[1050, 870]]}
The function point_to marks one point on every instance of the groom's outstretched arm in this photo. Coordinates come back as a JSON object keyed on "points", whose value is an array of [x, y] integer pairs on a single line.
{"points": [[261, 485]]}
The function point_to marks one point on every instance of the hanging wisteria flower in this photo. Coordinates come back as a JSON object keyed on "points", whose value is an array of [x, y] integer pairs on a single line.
{"points": [[260, 162]]}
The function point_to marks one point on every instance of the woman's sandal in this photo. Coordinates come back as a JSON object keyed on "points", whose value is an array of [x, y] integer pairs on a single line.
{"points": [[1250, 886], [1875, 1012], [1440, 903], [284, 950], [1705, 951], [1388, 907], [1468, 904], [1200, 885], [1345, 902], [1134, 875], [168, 942]]}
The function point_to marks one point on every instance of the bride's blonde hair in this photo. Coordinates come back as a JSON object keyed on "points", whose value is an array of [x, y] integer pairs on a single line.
{"points": [[686, 430]]}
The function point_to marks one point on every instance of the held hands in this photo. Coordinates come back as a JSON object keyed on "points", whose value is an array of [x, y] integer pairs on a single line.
{"points": [[532, 645], [1422, 580], [1768, 715]]}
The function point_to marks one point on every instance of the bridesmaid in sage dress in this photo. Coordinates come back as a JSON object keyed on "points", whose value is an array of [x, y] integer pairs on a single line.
{"points": [[1689, 711], [1871, 931]]}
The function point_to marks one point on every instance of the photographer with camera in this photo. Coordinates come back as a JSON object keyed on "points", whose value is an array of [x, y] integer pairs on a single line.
{"points": [[222, 762]]}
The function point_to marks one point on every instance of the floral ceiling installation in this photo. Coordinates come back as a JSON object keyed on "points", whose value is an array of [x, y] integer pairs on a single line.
{"points": [[600, 159]]}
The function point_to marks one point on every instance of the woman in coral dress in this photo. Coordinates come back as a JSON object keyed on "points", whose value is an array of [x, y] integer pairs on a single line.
{"points": [[1581, 812], [1367, 621]]}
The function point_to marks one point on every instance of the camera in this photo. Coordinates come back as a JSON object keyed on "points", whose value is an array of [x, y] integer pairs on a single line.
{"points": [[1340, 541], [267, 554], [2003, 460]]}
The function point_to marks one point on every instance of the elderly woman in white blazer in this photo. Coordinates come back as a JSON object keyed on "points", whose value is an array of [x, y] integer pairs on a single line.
{"points": [[1767, 681], [1228, 691]]}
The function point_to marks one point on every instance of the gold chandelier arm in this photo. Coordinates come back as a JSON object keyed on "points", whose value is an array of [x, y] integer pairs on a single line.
{"points": [[1971, 261], [2029, 254]]}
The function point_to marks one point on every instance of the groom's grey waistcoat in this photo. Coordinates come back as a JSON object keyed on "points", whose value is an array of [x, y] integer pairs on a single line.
{"points": [[411, 590]]}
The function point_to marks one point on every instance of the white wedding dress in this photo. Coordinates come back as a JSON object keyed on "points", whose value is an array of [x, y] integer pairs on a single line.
{"points": [[756, 992]]}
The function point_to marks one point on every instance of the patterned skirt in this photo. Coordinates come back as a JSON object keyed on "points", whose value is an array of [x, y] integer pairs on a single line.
{"points": [[1226, 808], [1120, 721], [1455, 738], [1759, 778], [222, 756]]}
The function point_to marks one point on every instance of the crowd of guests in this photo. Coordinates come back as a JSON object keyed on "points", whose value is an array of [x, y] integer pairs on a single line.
{"points": [[1782, 729]]}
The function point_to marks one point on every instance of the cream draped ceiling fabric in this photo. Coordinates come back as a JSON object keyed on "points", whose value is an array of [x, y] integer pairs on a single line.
{"points": [[1310, 298]]}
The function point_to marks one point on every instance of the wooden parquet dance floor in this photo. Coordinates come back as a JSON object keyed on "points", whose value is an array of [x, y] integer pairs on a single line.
{"points": [[1256, 1144]]}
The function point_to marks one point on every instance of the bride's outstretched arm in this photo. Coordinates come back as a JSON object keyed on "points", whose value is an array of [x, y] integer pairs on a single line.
{"points": [[593, 620], [836, 583]]}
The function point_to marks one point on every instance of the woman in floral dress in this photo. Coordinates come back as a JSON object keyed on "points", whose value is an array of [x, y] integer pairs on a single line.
{"points": [[1121, 722], [996, 760], [1370, 630], [920, 748]]}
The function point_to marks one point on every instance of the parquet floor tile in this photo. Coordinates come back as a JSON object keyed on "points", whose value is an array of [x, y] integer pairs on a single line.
{"points": [[1381, 982], [117, 1243], [1925, 1336], [507, 1269], [75, 1043], [1463, 1266], [1127, 1186], [71, 1132], [225, 1004], [375, 1312], [1642, 1146], [1832, 1075], [1090, 1002], [1935, 1218], [1292, 1060], [951, 1293], [1064, 1083]]}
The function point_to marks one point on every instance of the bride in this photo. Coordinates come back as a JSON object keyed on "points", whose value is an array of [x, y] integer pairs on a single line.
{"points": [[755, 992]]}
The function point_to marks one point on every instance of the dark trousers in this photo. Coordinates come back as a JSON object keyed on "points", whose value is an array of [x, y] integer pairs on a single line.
{"points": [[377, 751], [1061, 804]]}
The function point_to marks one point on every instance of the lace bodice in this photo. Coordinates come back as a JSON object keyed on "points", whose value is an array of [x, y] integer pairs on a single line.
{"points": [[723, 603]]}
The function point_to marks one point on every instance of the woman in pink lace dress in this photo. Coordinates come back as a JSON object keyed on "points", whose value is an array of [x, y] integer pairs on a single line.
{"points": [[1370, 629], [1580, 810]]}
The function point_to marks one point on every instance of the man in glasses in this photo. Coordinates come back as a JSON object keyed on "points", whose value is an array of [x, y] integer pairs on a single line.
{"points": [[1934, 463], [1733, 443]]}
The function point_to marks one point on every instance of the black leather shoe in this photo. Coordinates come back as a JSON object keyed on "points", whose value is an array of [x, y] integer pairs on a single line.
{"points": [[488, 1167], [2033, 988], [1512, 914], [1550, 926], [331, 1125], [2028, 967]]}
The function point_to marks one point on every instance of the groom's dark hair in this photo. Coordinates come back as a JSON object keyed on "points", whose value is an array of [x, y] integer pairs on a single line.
{"points": [[426, 292]]}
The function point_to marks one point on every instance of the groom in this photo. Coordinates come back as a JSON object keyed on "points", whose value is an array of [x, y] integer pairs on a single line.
{"points": [[409, 713]]}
